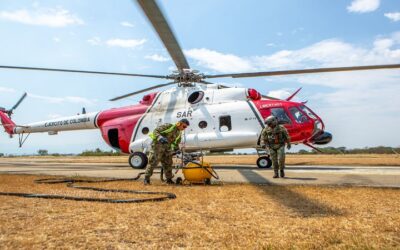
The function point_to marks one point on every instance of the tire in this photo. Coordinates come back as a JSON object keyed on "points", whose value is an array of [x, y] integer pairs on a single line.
{"points": [[264, 162], [138, 160]]}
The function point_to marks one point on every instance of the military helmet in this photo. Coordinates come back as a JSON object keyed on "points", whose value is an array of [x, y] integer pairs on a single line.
{"points": [[271, 121], [186, 121]]}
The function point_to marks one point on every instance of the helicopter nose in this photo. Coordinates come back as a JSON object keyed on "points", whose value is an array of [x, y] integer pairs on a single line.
{"points": [[322, 139]]}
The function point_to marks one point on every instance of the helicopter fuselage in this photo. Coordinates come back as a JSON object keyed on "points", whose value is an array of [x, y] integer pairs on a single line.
{"points": [[220, 119]]}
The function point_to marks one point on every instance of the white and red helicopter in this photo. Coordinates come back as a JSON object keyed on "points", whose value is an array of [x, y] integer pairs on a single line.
{"points": [[221, 118]]}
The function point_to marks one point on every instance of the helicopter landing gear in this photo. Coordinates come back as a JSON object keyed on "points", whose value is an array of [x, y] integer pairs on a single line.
{"points": [[138, 160], [264, 162], [264, 159]]}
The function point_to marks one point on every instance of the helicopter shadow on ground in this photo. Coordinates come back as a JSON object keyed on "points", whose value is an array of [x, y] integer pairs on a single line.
{"points": [[295, 201]]}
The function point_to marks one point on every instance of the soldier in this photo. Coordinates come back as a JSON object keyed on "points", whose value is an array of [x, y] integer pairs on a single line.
{"points": [[166, 139], [275, 137]]}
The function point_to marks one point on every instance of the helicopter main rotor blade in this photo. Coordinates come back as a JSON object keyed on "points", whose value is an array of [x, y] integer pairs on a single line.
{"points": [[82, 71], [163, 29], [305, 71], [142, 90], [19, 102]]}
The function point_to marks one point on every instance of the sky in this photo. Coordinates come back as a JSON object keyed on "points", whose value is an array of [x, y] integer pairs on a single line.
{"points": [[360, 109]]}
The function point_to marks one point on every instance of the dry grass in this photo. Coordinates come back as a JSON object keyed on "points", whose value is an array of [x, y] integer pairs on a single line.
{"points": [[230, 216], [349, 160]]}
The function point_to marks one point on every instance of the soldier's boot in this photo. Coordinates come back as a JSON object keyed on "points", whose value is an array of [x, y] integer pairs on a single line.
{"points": [[146, 181], [275, 174], [282, 173], [170, 181]]}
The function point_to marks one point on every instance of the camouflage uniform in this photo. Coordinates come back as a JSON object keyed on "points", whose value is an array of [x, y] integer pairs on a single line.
{"points": [[275, 139], [162, 152]]}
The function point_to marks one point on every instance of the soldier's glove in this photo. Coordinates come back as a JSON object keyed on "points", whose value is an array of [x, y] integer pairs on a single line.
{"points": [[288, 146], [163, 140]]}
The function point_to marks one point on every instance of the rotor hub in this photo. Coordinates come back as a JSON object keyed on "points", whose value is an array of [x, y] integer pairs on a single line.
{"points": [[187, 76]]}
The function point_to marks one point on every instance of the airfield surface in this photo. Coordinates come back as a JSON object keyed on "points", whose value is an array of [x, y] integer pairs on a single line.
{"points": [[315, 207], [369, 176]]}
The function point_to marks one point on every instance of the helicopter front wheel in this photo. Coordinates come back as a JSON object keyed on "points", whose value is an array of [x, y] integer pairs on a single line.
{"points": [[138, 160], [264, 162]]}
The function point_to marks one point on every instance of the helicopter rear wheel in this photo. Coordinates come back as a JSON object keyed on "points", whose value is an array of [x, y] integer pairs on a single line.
{"points": [[138, 160], [264, 162]]}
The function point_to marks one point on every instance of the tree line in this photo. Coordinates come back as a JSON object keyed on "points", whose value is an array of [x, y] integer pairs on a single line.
{"points": [[344, 150]]}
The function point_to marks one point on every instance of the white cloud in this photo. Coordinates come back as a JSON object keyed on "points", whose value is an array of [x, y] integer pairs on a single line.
{"points": [[326, 53], [6, 90], [218, 61], [67, 99], [333, 52], [125, 43], [363, 6], [394, 16], [127, 24], [271, 44], [56, 39], [55, 18], [280, 93], [157, 58], [94, 41]]}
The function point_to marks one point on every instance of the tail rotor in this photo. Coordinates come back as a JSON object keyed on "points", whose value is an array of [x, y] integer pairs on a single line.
{"points": [[10, 111]]}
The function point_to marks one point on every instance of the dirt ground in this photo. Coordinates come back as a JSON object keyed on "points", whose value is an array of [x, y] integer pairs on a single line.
{"points": [[215, 217], [346, 160]]}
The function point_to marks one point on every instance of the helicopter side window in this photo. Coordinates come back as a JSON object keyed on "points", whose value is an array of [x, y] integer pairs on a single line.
{"points": [[225, 123], [281, 115], [203, 124], [196, 97], [145, 130], [298, 115]]}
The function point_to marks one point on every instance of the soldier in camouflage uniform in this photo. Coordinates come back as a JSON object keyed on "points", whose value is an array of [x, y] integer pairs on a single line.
{"points": [[275, 137], [166, 139]]}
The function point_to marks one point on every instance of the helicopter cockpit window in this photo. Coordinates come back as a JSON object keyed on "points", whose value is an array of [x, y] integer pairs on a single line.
{"points": [[281, 115], [298, 115], [225, 123], [308, 112], [196, 97]]}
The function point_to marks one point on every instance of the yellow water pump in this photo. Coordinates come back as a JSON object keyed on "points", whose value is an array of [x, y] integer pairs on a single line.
{"points": [[199, 172]]}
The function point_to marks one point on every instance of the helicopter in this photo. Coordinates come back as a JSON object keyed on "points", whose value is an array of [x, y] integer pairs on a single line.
{"points": [[222, 118]]}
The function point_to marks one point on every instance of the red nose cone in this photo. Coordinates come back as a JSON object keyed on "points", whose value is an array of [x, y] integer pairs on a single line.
{"points": [[253, 94]]}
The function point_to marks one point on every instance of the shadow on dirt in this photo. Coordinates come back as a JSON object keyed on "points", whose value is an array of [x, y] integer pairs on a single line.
{"points": [[299, 203]]}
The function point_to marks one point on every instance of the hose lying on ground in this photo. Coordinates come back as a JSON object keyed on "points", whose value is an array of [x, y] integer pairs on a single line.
{"points": [[71, 183]]}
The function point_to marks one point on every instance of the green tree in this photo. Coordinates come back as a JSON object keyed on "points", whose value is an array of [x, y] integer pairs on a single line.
{"points": [[43, 152]]}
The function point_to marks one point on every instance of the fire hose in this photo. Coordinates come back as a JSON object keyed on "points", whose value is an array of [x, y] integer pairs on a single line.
{"points": [[71, 184]]}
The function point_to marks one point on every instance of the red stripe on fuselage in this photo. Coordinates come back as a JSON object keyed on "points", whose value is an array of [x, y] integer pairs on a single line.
{"points": [[125, 119]]}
